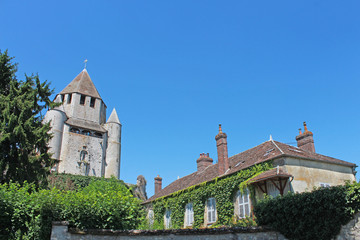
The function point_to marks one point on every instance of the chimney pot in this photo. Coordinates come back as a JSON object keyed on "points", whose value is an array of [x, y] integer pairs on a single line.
{"points": [[222, 151], [203, 161], [158, 184], [305, 140]]}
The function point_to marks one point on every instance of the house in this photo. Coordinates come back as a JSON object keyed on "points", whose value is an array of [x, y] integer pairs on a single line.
{"points": [[293, 169], [83, 142]]}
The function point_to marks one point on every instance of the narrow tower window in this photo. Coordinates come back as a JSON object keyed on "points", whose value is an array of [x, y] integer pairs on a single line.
{"points": [[69, 98], [82, 99], [62, 97], [92, 102]]}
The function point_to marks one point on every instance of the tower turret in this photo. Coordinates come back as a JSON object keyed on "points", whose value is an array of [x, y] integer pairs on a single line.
{"points": [[57, 118], [113, 126]]}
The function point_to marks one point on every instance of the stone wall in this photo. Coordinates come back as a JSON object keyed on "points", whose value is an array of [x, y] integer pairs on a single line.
{"points": [[60, 231]]}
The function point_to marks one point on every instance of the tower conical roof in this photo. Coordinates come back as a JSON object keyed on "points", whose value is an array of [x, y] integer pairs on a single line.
{"points": [[113, 117], [82, 84]]}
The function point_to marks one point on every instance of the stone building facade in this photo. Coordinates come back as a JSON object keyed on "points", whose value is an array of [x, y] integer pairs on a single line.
{"points": [[295, 169], [83, 142]]}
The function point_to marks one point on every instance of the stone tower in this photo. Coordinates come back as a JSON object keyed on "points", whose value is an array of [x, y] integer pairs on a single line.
{"points": [[83, 143]]}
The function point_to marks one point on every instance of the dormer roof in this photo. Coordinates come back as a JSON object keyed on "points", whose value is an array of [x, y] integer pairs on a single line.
{"points": [[82, 84]]}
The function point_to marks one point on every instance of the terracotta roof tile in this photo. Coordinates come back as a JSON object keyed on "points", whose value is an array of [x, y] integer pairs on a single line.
{"points": [[264, 152], [270, 174]]}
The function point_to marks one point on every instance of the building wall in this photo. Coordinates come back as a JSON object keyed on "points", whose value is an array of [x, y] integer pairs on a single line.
{"points": [[77, 110], [73, 144], [309, 174]]}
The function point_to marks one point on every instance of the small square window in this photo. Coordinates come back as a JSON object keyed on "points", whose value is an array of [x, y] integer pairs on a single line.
{"points": [[82, 99]]}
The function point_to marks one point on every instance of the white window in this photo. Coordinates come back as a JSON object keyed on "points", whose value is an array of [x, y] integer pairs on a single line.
{"points": [[167, 218], [211, 210], [151, 217], [325, 185], [243, 200], [189, 214], [271, 189]]}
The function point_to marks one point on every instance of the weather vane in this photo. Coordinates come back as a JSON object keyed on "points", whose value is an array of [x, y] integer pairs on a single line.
{"points": [[85, 63]]}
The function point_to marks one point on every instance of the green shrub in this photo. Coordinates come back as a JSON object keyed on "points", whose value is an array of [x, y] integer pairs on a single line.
{"points": [[310, 215], [27, 213], [66, 181]]}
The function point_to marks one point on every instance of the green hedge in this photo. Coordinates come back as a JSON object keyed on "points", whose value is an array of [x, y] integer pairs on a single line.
{"points": [[27, 213], [310, 215], [66, 181]]}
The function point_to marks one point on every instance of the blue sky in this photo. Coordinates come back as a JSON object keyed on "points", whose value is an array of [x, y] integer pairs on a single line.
{"points": [[174, 70]]}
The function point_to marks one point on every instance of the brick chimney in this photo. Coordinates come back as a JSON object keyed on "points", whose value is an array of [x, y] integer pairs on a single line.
{"points": [[222, 151], [158, 184], [203, 161], [305, 140]]}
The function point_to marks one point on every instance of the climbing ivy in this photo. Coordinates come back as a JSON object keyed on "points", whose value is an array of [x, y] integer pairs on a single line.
{"points": [[222, 189]]}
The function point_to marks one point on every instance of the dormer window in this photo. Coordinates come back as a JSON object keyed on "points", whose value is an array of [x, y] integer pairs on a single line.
{"points": [[82, 99], [92, 102]]}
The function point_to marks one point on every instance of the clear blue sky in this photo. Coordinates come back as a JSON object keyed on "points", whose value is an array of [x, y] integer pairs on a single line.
{"points": [[174, 70]]}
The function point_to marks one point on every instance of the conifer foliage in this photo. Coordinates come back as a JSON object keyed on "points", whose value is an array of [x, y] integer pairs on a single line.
{"points": [[23, 137]]}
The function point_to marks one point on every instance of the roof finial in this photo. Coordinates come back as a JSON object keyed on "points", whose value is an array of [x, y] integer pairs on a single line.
{"points": [[300, 131], [305, 128], [85, 63], [220, 130], [270, 138]]}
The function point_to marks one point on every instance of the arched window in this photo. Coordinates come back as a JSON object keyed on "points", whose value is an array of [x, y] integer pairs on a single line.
{"points": [[243, 201], [189, 214], [211, 210], [168, 219], [84, 162]]}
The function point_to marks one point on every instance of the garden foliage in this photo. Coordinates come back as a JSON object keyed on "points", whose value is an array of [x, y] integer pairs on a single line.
{"points": [[23, 137], [27, 213], [310, 215]]}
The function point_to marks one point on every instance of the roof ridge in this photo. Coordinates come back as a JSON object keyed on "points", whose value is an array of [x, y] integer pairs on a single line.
{"points": [[249, 149]]}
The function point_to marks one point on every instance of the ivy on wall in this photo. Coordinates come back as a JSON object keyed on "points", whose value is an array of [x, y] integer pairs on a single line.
{"points": [[222, 189]]}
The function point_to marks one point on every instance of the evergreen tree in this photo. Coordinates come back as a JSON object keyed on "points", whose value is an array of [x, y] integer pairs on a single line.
{"points": [[23, 137]]}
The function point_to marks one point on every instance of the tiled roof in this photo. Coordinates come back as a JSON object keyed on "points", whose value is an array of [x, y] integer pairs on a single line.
{"points": [[264, 152], [270, 174], [82, 84]]}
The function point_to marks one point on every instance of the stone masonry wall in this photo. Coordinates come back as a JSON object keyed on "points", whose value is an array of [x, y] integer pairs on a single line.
{"points": [[60, 231]]}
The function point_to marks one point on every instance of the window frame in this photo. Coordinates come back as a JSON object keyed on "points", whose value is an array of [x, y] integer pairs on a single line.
{"points": [[244, 203], [189, 215], [167, 218], [211, 210]]}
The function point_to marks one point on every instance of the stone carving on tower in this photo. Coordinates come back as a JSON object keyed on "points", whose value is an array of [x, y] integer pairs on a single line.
{"points": [[83, 142]]}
